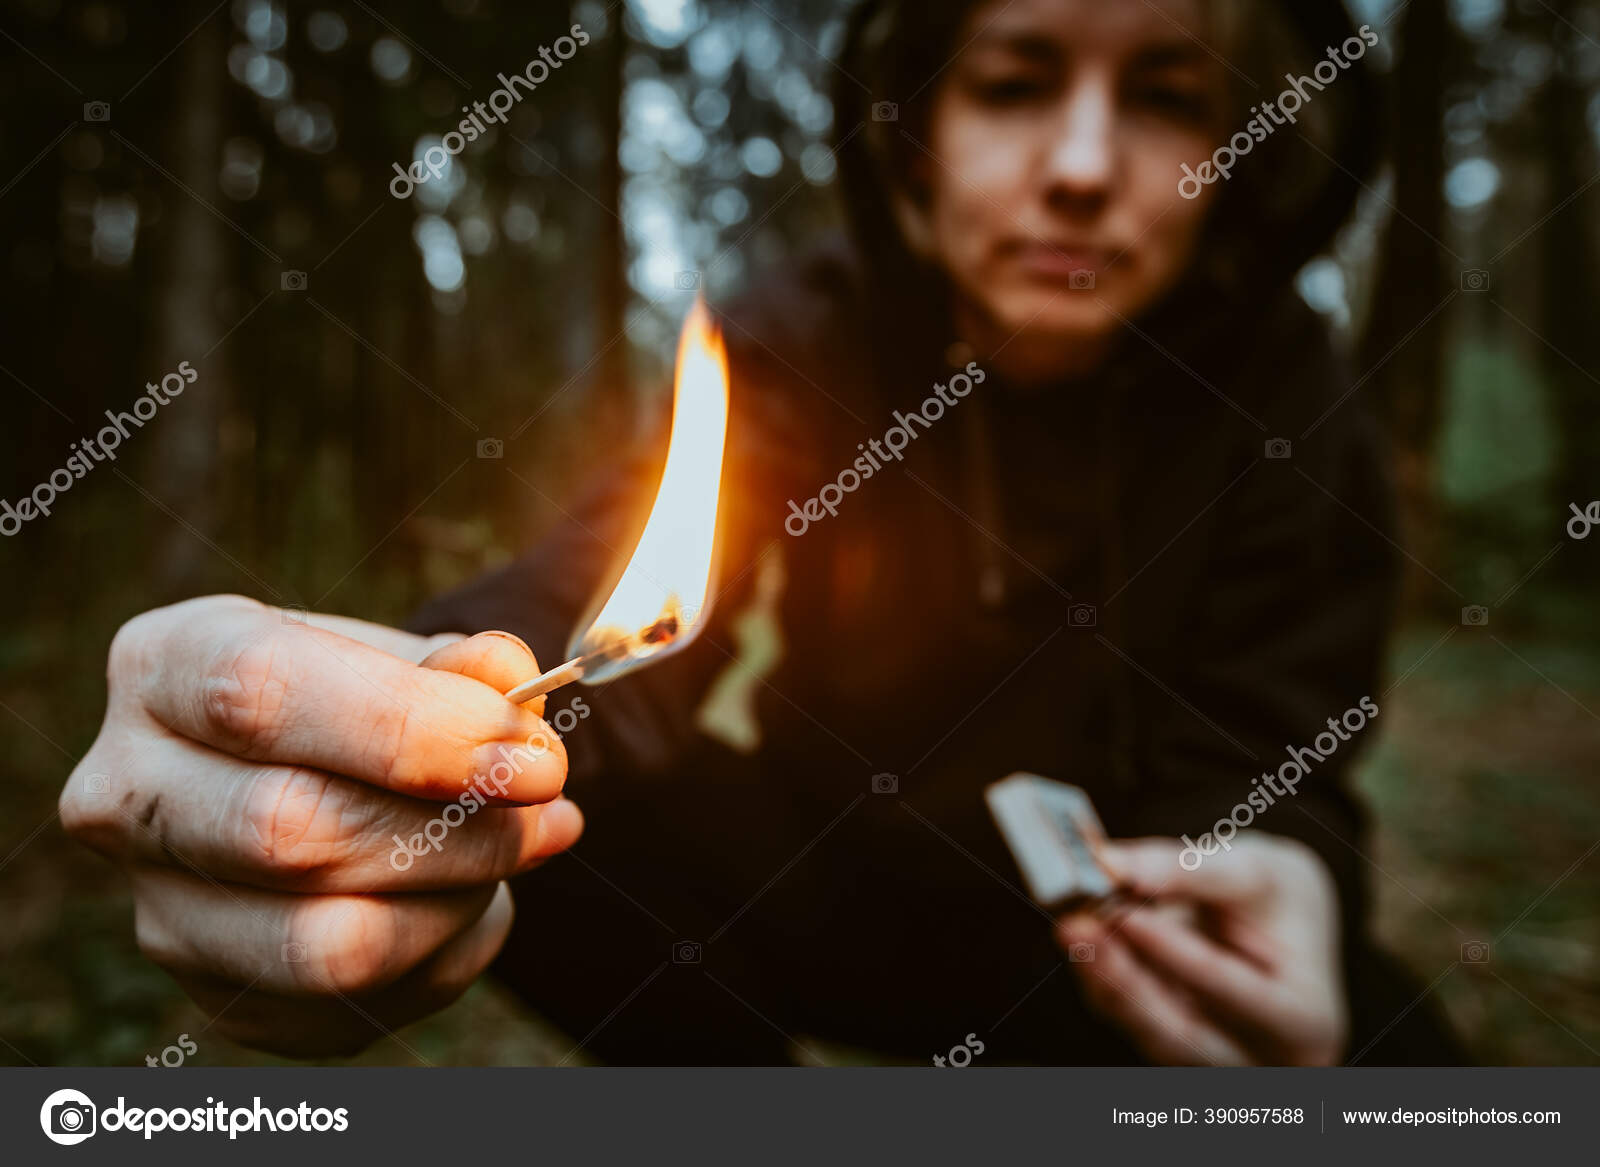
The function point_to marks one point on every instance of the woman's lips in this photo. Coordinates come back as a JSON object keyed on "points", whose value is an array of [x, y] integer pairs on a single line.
{"points": [[1058, 262]]}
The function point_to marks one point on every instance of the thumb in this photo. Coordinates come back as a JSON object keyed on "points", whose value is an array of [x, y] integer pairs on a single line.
{"points": [[498, 659]]}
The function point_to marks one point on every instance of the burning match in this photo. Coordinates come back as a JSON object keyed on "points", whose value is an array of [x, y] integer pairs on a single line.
{"points": [[662, 632], [663, 593]]}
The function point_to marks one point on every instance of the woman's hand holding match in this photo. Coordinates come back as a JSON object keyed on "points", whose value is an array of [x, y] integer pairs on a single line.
{"points": [[252, 776], [1233, 963]]}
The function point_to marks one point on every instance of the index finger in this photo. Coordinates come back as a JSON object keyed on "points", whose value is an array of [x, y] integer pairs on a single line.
{"points": [[1154, 866], [246, 682]]}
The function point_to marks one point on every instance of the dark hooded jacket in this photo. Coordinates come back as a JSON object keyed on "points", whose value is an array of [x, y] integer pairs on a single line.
{"points": [[1119, 583]]}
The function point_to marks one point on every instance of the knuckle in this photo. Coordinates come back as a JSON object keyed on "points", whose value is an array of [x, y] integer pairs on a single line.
{"points": [[155, 938], [295, 821], [218, 604], [393, 743], [134, 641], [77, 814], [245, 690], [128, 647], [353, 950], [101, 805]]}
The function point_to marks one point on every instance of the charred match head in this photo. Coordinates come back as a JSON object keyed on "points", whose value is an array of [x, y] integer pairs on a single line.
{"points": [[662, 630]]}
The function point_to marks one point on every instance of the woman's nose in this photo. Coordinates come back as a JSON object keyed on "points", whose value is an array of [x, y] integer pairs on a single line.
{"points": [[1081, 160]]}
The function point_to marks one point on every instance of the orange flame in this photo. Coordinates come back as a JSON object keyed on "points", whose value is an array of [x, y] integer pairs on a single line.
{"points": [[660, 603]]}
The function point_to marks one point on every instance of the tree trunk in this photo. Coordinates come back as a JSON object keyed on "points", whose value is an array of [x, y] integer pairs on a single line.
{"points": [[192, 275], [611, 378], [1569, 288], [1415, 273]]}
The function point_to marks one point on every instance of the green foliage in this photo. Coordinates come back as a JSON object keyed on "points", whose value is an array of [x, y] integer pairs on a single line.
{"points": [[1496, 450]]}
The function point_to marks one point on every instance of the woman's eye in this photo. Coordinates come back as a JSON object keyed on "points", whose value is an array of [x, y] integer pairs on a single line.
{"points": [[1010, 90], [1189, 105]]}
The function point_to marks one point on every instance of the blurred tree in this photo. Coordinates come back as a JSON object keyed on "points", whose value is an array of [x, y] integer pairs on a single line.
{"points": [[191, 277], [1570, 290], [611, 299], [1415, 273]]}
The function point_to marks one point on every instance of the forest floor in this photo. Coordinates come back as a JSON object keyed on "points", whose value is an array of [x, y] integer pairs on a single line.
{"points": [[1483, 789]]}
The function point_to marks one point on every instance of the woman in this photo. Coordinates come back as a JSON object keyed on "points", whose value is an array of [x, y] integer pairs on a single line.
{"points": [[1134, 541]]}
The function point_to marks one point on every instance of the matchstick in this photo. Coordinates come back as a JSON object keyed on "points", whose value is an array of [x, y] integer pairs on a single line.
{"points": [[550, 681], [664, 629]]}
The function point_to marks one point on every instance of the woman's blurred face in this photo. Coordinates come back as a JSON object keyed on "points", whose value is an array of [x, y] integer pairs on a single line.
{"points": [[1056, 138]]}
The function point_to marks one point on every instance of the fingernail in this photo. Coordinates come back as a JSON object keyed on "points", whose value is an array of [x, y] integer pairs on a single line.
{"points": [[514, 639], [519, 769]]}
